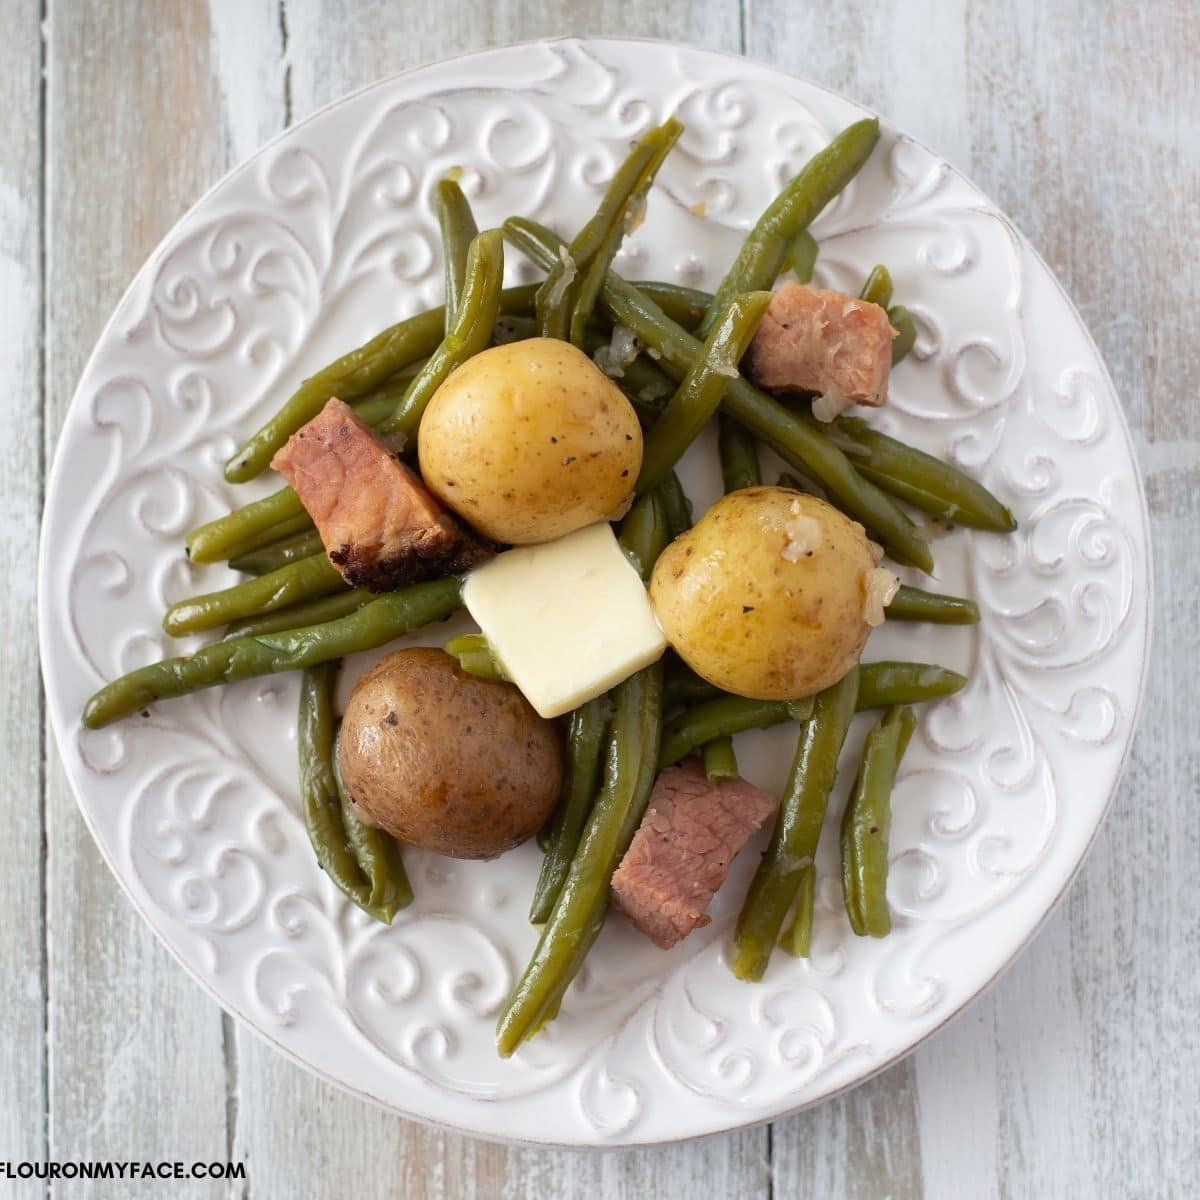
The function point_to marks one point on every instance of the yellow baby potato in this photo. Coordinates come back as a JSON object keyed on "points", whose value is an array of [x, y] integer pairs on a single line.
{"points": [[530, 441], [769, 595]]}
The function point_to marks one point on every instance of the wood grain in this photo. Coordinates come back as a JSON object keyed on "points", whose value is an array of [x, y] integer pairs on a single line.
{"points": [[136, 1069], [22, 1061], [1078, 1074]]}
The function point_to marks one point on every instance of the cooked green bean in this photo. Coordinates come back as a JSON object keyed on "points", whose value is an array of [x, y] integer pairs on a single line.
{"points": [[798, 938], [867, 821], [699, 395], [738, 451], [906, 332], [298, 581], [310, 612], [720, 759], [456, 224], [765, 251], [808, 450], [565, 300], [681, 685], [684, 305], [475, 656], [793, 843], [469, 332], [585, 743], [926, 482], [631, 763], [383, 620], [721, 717], [318, 788], [883, 684], [378, 856], [878, 288], [802, 258], [279, 554], [235, 533], [677, 506], [916, 604]]}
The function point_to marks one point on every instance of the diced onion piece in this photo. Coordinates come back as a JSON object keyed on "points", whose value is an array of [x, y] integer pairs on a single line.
{"points": [[622, 349], [727, 369], [804, 536], [559, 288], [880, 588], [829, 406]]}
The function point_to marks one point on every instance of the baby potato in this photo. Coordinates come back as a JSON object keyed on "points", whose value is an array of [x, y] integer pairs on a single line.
{"points": [[442, 760], [768, 595], [530, 441]]}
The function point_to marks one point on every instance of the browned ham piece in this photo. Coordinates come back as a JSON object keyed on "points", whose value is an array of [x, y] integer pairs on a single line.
{"points": [[683, 848], [812, 340], [379, 525]]}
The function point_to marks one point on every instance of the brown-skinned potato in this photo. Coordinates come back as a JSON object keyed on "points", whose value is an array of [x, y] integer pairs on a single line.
{"points": [[446, 761]]}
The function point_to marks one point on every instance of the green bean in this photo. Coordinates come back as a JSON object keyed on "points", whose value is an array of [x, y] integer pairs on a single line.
{"points": [[565, 300], [765, 250], [738, 451], [468, 334], [630, 766], [279, 554], [298, 581], [475, 656], [318, 787], [457, 225], [928, 483], [916, 604], [681, 685], [235, 533], [383, 620], [793, 843], [310, 612], [906, 332], [878, 287], [720, 759], [802, 258], [808, 450], [699, 395], [867, 821], [721, 717], [883, 684], [798, 938], [585, 743], [676, 505], [378, 856], [684, 305]]}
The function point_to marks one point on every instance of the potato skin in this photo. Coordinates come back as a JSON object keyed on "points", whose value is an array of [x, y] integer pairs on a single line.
{"points": [[747, 619], [445, 761], [530, 441]]}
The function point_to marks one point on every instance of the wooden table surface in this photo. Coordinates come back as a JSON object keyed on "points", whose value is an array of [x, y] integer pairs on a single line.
{"points": [[1077, 1075]]}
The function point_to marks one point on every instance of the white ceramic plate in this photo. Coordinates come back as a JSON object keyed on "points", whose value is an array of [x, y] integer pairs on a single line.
{"points": [[325, 236]]}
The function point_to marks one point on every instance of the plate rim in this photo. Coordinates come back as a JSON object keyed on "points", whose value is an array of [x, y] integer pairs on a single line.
{"points": [[60, 723]]}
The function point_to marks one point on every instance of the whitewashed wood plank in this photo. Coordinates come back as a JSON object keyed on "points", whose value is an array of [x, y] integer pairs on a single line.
{"points": [[22, 947], [331, 48], [136, 1069]]}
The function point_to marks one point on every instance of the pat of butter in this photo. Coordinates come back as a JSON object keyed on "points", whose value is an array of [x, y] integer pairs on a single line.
{"points": [[566, 619]]}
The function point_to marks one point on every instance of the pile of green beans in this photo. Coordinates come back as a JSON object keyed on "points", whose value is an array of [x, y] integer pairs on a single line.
{"points": [[867, 821], [362, 863]]}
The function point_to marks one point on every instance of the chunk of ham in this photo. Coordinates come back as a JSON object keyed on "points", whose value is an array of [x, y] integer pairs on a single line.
{"points": [[683, 849], [812, 340], [380, 526]]}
